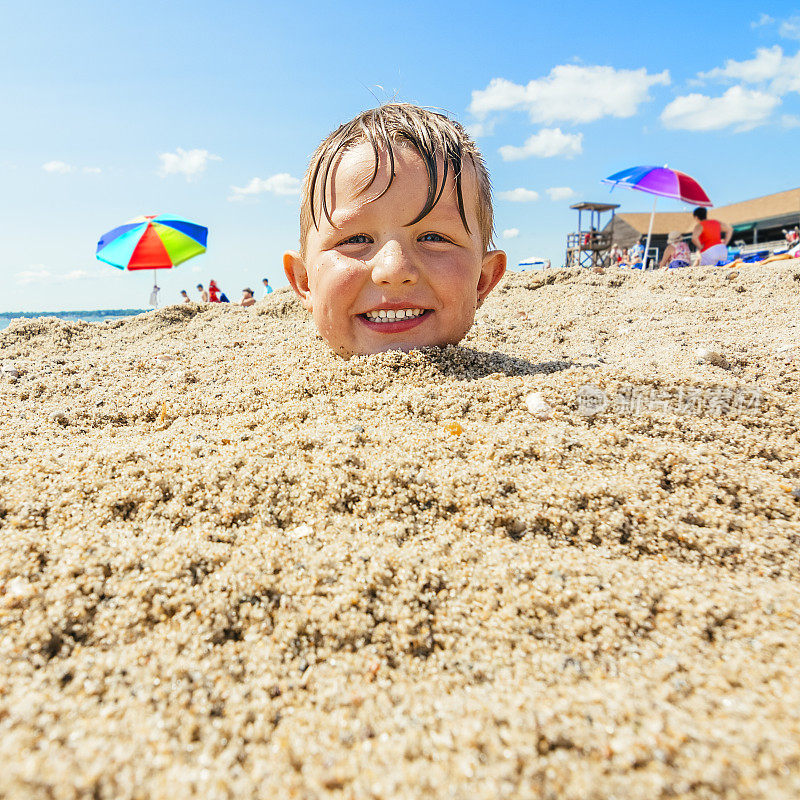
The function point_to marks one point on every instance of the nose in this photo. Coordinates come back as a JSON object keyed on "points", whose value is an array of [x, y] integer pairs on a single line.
{"points": [[393, 265]]}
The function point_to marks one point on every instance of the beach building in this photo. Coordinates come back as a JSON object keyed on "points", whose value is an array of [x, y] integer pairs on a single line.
{"points": [[755, 222]]}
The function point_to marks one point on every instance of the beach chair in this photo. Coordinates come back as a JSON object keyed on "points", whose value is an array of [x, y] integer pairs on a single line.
{"points": [[752, 257]]}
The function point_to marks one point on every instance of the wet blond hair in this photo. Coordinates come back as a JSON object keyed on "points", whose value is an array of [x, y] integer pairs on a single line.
{"points": [[430, 133]]}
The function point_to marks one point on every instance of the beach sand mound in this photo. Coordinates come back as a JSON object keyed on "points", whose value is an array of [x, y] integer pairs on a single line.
{"points": [[558, 561]]}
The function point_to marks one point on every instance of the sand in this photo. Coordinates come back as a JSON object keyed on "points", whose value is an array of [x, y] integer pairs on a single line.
{"points": [[233, 565]]}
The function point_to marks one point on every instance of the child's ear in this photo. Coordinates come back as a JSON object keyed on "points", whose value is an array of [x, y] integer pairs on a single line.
{"points": [[493, 268], [295, 268]]}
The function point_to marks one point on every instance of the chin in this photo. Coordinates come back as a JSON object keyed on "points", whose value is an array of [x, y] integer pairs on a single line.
{"points": [[403, 347]]}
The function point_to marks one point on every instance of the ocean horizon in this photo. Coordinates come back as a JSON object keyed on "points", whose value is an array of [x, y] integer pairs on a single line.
{"points": [[99, 315]]}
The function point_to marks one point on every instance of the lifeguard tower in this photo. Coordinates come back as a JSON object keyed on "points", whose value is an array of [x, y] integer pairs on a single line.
{"points": [[591, 246]]}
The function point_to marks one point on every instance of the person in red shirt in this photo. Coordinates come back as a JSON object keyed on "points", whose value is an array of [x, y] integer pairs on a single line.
{"points": [[711, 238]]}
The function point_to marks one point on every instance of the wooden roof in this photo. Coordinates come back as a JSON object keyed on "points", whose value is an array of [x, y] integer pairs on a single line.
{"points": [[663, 223], [771, 205], [594, 206]]}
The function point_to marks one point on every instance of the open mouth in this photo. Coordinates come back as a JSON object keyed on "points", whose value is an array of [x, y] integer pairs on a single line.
{"points": [[395, 320], [391, 315]]}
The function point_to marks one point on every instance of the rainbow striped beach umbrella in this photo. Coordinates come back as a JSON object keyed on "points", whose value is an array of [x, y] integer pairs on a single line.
{"points": [[663, 182], [155, 241], [660, 182]]}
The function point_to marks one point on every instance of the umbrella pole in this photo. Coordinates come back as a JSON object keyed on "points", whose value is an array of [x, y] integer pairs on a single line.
{"points": [[649, 231], [155, 286]]}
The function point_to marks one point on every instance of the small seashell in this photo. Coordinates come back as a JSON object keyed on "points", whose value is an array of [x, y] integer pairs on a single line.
{"points": [[17, 591], [538, 406], [60, 417], [19, 587], [301, 532], [707, 355], [10, 371]]}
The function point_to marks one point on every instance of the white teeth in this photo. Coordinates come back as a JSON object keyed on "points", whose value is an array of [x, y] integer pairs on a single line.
{"points": [[392, 315]]}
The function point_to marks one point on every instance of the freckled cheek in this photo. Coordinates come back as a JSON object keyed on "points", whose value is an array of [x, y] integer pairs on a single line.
{"points": [[458, 287], [335, 286]]}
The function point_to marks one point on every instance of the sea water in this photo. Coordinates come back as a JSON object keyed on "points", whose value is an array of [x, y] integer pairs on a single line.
{"points": [[72, 316]]}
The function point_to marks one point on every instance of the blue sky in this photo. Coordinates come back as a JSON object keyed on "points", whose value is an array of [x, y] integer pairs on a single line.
{"points": [[210, 111]]}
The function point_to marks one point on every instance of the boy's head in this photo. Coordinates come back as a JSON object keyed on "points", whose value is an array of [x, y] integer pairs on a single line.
{"points": [[395, 229], [200, 286]]}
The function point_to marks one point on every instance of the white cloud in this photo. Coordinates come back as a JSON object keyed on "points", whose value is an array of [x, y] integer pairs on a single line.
{"points": [[547, 143], [62, 168], [33, 275], [59, 167], [480, 129], [185, 162], [790, 28], [571, 93], [519, 195], [790, 121], [560, 193], [738, 107], [779, 73], [40, 274], [197, 268], [510, 233], [281, 184], [764, 19]]}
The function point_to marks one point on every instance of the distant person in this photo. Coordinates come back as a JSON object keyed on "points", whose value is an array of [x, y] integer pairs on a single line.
{"points": [[216, 295], [247, 298], [676, 253], [636, 255], [154, 296], [267, 287], [792, 237], [711, 238], [185, 296], [203, 293]]}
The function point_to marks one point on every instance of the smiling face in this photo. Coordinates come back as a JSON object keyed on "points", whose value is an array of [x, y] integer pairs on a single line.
{"points": [[372, 281]]}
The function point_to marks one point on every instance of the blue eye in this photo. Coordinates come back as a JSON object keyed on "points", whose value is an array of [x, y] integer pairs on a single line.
{"points": [[359, 238], [432, 237]]}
